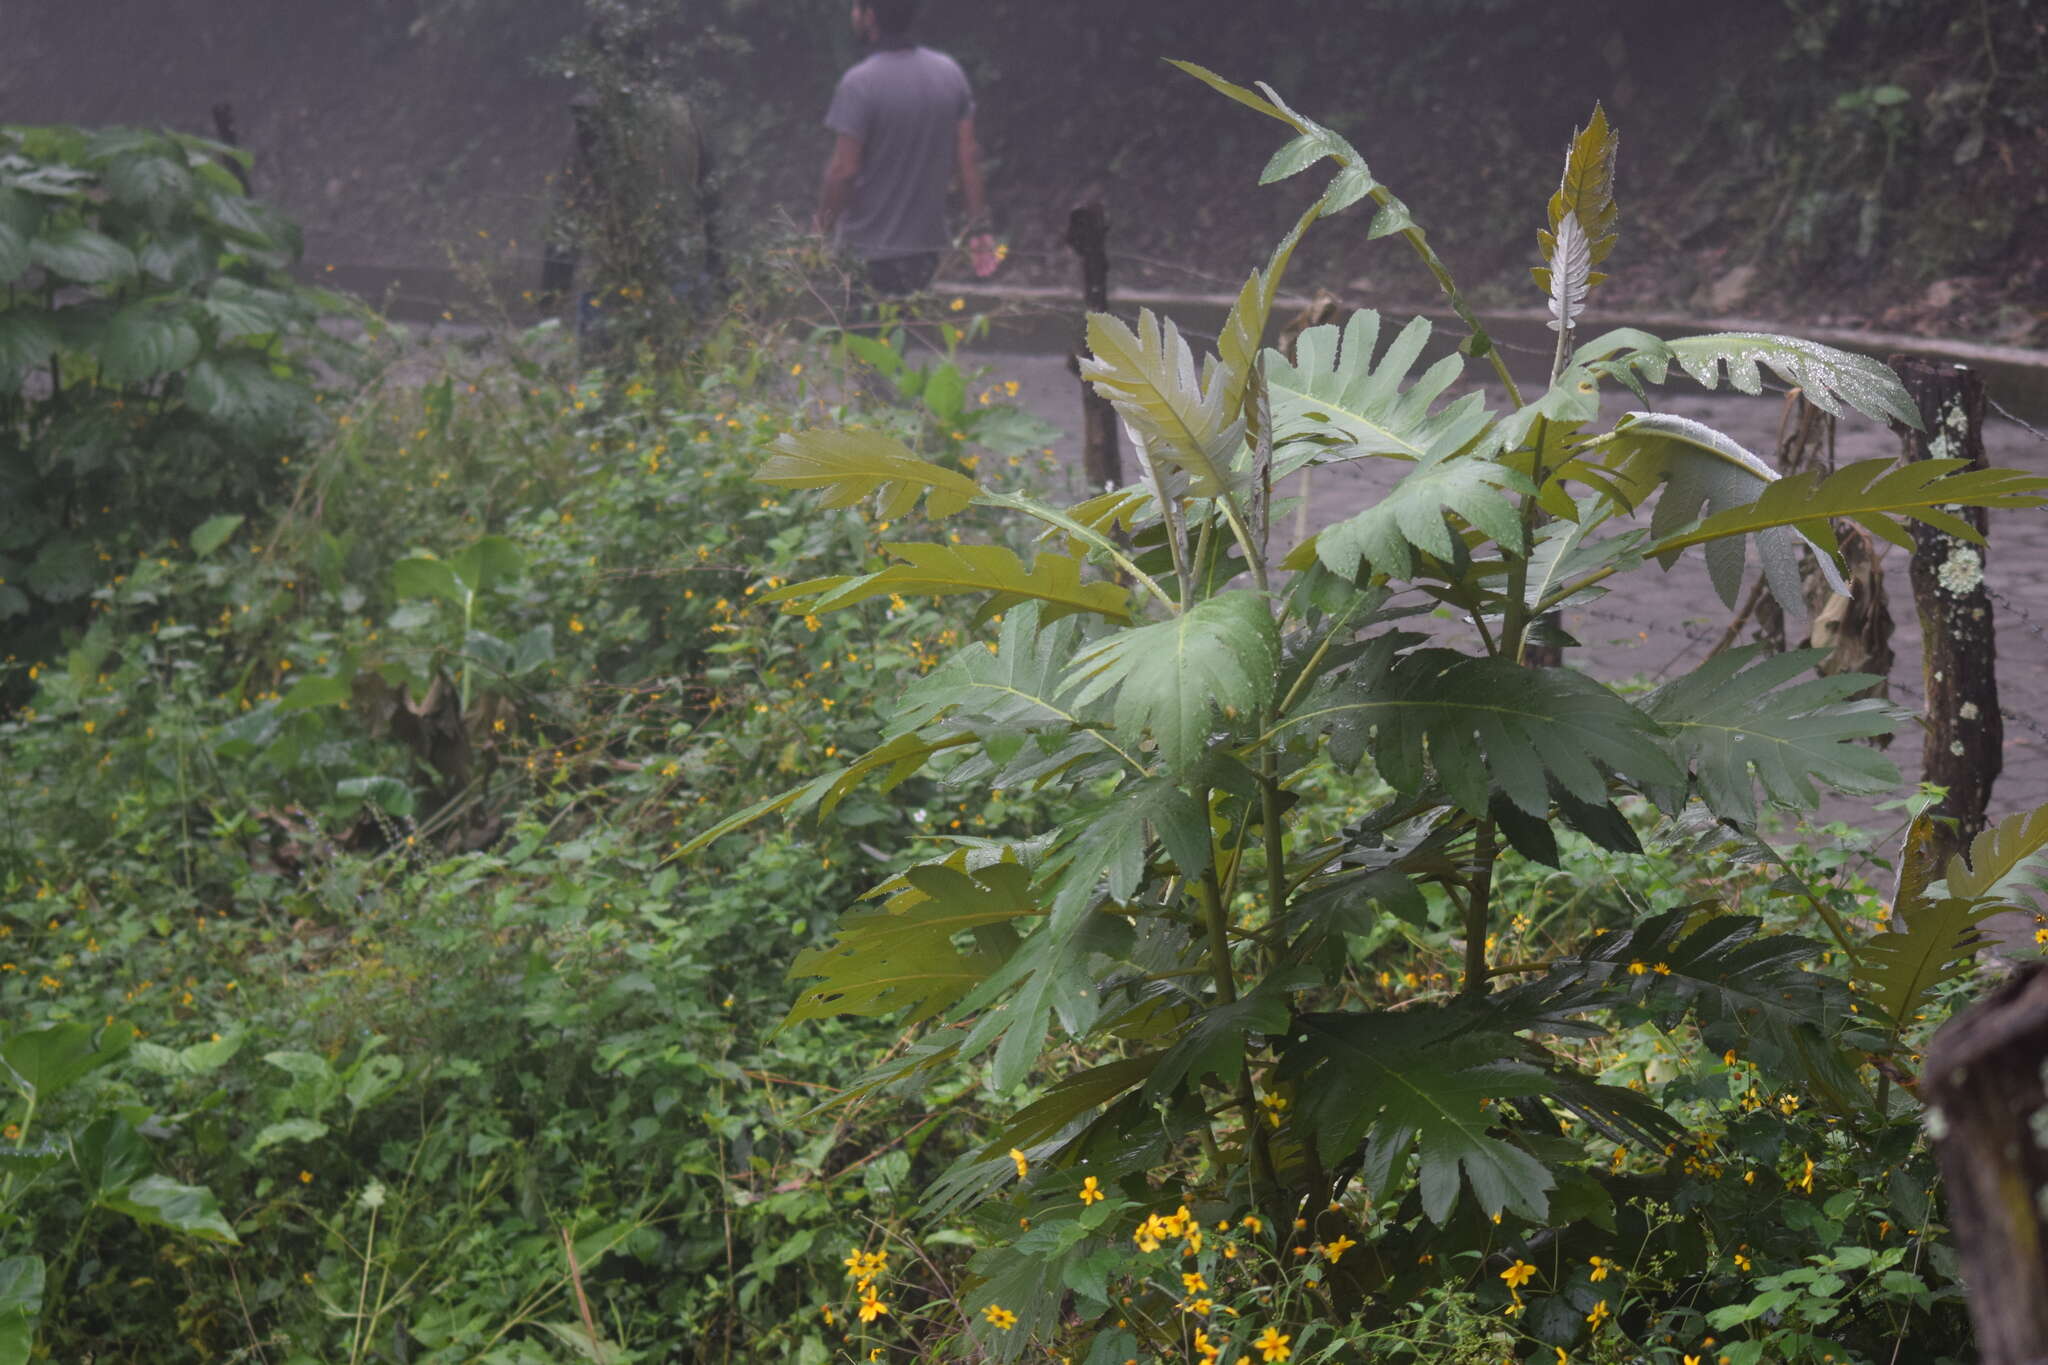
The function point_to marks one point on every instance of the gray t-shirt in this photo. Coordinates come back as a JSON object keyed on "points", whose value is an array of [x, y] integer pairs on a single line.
{"points": [[905, 105]]}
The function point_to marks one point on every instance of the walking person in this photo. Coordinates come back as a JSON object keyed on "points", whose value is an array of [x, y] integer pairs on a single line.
{"points": [[903, 120]]}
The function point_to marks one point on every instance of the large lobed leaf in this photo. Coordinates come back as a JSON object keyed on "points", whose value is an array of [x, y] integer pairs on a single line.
{"points": [[1831, 379], [902, 956], [1053, 580], [1150, 376], [1934, 934], [1413, 514], [1481, 723], [1744, 711], [1707, 469], [1874, 494], [1334, 403], [1172, 676], [1399, 1080], [850, 464]]}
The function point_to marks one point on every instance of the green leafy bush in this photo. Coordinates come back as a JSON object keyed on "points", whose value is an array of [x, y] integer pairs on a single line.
{"points": [[157, 364]]}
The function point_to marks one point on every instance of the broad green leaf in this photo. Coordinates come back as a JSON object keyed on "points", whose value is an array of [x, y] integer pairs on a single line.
{"points": [[1334, 403], [1874, 494], [48, 1058], [489, 561], [426, 576], [1070, 1098], [1829, 378], [886, 960], [150, 180], [1214, 1041], [239, 309], [1171, 677], [1935, 928], [110, 1155], [849, 465], [1480, 723], [1150, 376], [213, 533], [1707, 469], [317, 690], [1745, 711], [238, 389], [1112, 841], [1392, 1081], [314, 1085], [283, 1131], [1049, 975], [2001, 860], [197, 1059], [190, 1209], [82, 256], [1898, 968], [27, 341], [21, 1303], [1412, 514], [1053, 580], [389, 794], [14, 256], [1747, 989]]}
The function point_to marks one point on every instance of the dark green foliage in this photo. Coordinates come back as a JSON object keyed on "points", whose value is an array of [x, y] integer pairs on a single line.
{"points": [[156, 362]]}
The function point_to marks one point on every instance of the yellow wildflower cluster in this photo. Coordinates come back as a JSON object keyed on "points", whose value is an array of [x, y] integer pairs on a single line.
{"points": [[1158, 1229], [863, 1268]]}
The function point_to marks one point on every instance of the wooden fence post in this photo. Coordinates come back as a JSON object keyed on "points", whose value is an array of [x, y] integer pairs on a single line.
{"points": [[1987, 1114], [1101, 459], [1965, 743]]}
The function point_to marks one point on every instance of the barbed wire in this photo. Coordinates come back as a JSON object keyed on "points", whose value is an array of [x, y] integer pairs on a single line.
{"points": [[2015, 419]]}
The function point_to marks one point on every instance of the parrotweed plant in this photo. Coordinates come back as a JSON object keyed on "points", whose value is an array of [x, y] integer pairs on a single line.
{"points": [[1189, 937]]}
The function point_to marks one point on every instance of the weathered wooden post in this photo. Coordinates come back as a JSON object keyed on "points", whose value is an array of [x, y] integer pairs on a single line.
{"points": [[1988, 1114], [1965, 744], [1101, 459]]}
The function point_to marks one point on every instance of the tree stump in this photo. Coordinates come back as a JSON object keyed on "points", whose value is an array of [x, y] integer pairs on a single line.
{"points": [[1965, 741], [1101, 458], [1988, 1114]]}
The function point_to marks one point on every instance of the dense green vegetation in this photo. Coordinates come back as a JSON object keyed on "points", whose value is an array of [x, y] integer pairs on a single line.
{"points": [[398, 909]]}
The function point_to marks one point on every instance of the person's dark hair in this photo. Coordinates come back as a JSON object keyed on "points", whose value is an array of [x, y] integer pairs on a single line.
{"points": [[894, 17]]}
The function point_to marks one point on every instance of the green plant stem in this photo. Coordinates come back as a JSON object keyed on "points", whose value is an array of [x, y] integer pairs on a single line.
{"points": [[1478, 909], [1384, 197]]}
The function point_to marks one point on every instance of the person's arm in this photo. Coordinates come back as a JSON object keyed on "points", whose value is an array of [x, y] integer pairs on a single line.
{"points": [[840, 171]]}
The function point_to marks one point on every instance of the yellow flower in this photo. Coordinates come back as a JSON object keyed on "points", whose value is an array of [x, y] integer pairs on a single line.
{"points": [[1252, 1223], [957, 304], [1638, 968], [1662, 969], [1201, 1307], [1335, 1250], [1600, 1268], [305, 1177], [1192, 1281], [1805, 1180], [871, 1305], [1518, 1274], [575, 626], [1205, 1348], [89, 727], [1091, 1192], [1598, 1316], [1692, 1360], [831, 1318], [1023, 1163], [1272, 1346], [1001, 1318]]}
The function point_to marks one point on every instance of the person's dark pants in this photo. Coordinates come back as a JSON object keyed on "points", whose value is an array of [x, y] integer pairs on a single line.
{"points": [[895, 276]]}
